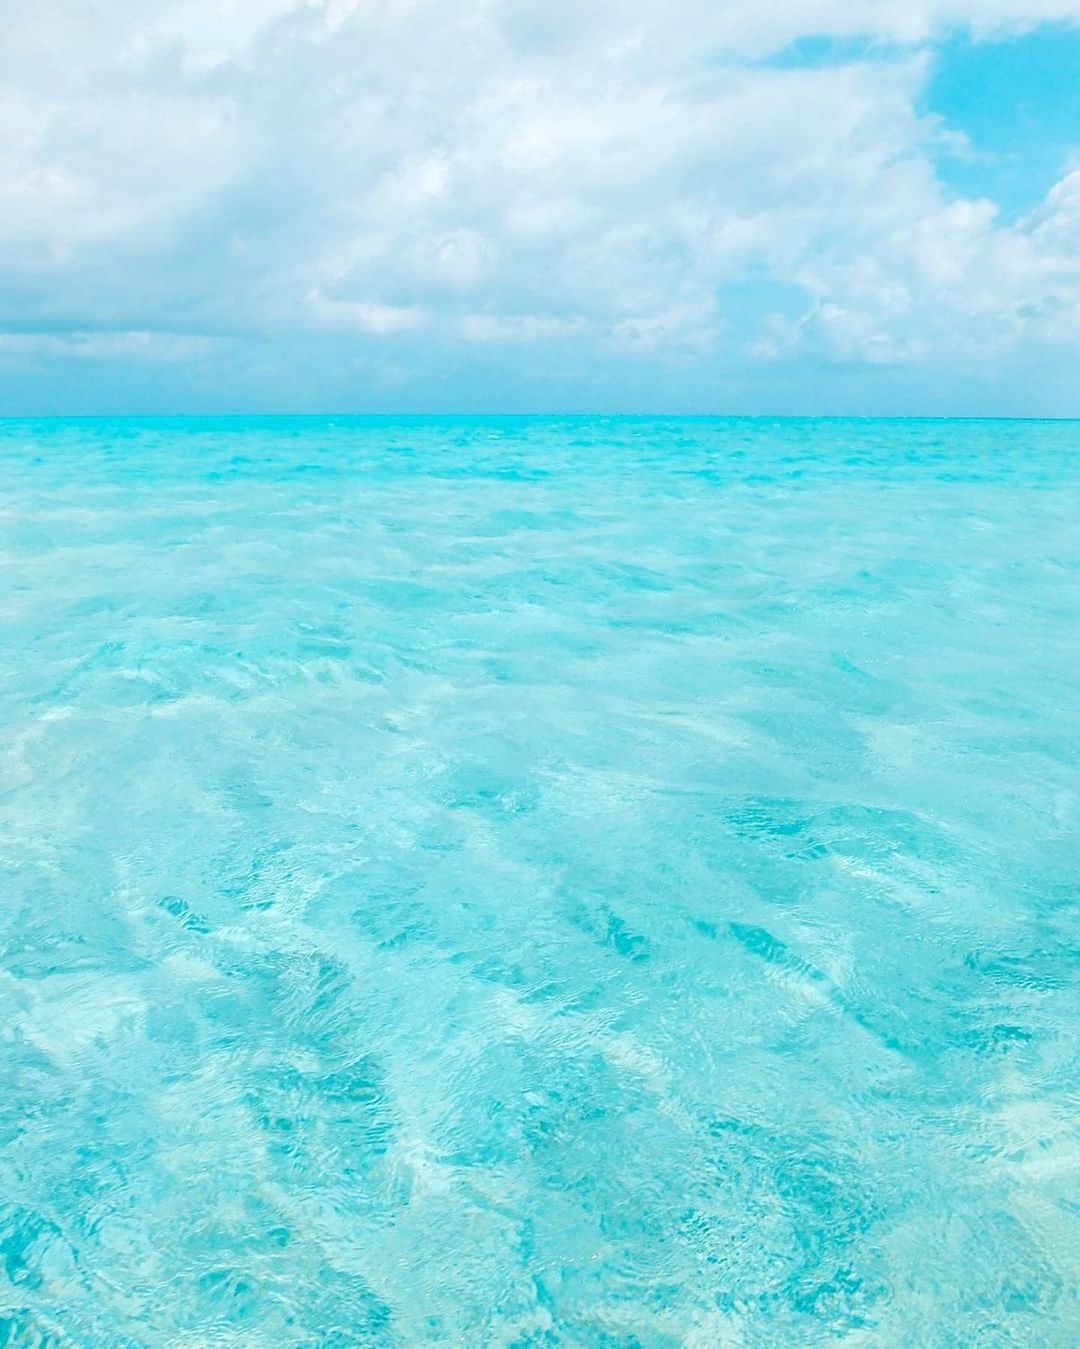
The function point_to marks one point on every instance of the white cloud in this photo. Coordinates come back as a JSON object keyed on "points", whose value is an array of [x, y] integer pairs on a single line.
{"points": [[517, 328], [362, 316], [508, 173], [949, 280]]}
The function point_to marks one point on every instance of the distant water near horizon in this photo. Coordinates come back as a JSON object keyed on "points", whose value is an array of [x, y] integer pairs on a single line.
{"points": [[534, 882]]}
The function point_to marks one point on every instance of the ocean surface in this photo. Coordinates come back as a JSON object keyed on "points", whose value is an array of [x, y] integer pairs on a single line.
{"points": [[539, 882]]}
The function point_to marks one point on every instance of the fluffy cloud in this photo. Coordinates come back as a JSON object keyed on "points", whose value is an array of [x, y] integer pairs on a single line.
{"points": [[616, 181]]}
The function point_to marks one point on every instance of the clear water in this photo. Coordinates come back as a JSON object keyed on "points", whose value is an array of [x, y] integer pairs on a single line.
{"points": [[540, 883]]}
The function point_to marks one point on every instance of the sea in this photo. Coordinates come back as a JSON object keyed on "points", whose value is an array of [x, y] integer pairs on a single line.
{"points": [[539, 882]]}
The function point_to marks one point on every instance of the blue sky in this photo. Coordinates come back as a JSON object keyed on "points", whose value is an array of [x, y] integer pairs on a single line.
{"points": [[335, 205]]}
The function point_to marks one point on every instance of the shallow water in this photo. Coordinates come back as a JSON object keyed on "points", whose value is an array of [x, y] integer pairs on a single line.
{"points": [[539, 882]]}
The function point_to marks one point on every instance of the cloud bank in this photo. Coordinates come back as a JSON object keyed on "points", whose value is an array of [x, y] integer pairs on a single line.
{"points": [[272, 203]]}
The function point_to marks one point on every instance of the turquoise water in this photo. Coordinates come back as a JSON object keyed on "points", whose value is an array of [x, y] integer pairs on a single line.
{"points": [[540, 883]]}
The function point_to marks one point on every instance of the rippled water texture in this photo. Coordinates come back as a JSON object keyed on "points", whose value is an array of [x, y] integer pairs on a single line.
{"points": [[540, 883]]}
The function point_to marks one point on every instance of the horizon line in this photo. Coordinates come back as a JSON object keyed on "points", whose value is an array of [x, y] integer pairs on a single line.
{"points": [[541, 416]]}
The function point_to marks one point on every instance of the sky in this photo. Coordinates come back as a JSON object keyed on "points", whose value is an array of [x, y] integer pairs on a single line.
{"points": [[699, 206]]}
